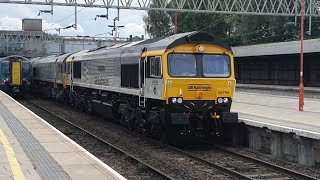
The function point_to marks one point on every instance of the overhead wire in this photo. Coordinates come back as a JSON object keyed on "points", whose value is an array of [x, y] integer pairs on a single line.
{"points": [[216, 23], [65, 18], [108, 15]]}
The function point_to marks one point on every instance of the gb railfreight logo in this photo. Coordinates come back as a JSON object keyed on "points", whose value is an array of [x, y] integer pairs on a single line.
{"points": [[199, 87]]}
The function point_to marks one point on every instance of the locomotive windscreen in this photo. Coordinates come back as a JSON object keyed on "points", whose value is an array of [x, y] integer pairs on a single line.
{"points": [[199, 65]]}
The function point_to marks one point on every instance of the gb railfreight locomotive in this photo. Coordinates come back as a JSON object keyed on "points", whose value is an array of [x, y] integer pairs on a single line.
{"points": [[15, 75], [181, 85]]}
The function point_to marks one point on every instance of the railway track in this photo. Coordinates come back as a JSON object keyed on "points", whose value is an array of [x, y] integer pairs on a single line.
{"points": [[114, 147], [248, 166], [292, 173], [218, 162]]}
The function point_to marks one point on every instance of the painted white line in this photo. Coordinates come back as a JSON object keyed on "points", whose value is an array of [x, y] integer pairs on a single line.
{"points": [[280, 128], [275, 96], [115, 173], [276, 118]]}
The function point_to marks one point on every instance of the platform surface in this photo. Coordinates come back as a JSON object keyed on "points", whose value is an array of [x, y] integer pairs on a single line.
{"points": [[30, 148], [279, 113]]}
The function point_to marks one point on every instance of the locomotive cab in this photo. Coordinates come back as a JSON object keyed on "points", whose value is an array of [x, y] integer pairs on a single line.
{"points": [[195, 81]]}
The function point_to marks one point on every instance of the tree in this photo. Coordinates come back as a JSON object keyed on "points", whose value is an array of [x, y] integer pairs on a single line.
{"points": [[158, 23], [234, 29]]}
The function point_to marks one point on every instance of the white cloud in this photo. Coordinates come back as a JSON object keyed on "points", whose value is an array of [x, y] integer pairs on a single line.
{"points": [[54, 29], [133, 29], [8, 23], [11, 15], [14, 24]]}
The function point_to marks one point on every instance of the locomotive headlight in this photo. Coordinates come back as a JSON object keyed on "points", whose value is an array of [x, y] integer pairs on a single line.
{"points": [[180, 100], [200, 48], [174, 100], [225, 100], [220, 100]]}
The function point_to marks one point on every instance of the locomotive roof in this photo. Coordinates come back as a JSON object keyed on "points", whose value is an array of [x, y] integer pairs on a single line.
{"points": [[136, 48], [63, 57], [13, 57], [46, 59], [164, 43], [187, 38]]}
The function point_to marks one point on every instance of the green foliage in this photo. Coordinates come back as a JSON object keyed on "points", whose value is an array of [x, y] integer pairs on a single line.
{"points": [[158, 24], [211, 23], [234, 29], [262, 29]]}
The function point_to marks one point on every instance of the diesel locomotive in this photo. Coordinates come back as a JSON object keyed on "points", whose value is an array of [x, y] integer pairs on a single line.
{"points": [[180, 85], [15, 75]]}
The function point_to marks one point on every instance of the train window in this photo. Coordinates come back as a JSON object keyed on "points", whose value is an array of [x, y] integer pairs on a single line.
{"points": [[216, 65], [25, 67], [5, 67], [77, 70], [182, 65], [155, 67], [35, 74], [68, 67], [60, 68]]}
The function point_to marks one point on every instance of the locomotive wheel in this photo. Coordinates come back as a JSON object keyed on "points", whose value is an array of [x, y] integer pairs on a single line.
{"points": [[89, 108], [164, 137], [131, 124], [82, 107]]}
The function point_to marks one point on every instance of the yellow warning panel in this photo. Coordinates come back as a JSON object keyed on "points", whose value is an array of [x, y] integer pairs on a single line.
{"points": [[11, 157], [16, 73]]}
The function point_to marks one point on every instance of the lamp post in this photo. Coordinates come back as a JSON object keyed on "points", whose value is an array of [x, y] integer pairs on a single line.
{"points": [[301, 86]]}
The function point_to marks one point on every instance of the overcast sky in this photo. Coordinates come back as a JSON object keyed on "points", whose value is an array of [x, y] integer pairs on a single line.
{"points": [[12, 14]]}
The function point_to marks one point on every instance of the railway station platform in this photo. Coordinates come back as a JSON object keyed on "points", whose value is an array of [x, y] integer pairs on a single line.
{"points": [[275, 125], [309, 92], [32, 149], [279, 113]]}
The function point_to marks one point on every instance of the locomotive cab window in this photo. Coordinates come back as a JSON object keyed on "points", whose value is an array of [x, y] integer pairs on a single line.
{"points": [[34, 72], [77, 70], [155, 67], [68, 67], [216, 65], [60, 68], [182, 65]]}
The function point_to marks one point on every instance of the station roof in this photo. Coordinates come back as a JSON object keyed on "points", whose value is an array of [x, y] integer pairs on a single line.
{"points": [[291, 47]]}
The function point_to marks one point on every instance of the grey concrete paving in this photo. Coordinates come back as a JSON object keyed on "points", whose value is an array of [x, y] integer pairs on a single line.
{"points": [[25, 164], [279, 113], [75, 162]]}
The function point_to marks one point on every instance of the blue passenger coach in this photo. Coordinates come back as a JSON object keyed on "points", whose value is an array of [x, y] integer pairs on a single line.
{"points": [[15, 74]]}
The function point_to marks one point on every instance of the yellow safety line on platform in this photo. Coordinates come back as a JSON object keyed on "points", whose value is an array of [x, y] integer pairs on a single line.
{"points": [[14, 164]]}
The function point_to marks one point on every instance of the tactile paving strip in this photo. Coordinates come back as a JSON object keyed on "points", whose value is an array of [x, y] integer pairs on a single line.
{"points": [[44, 163]]}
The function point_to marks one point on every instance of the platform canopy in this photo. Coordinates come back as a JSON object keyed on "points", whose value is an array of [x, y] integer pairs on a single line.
{"points": [[291, 47]]}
